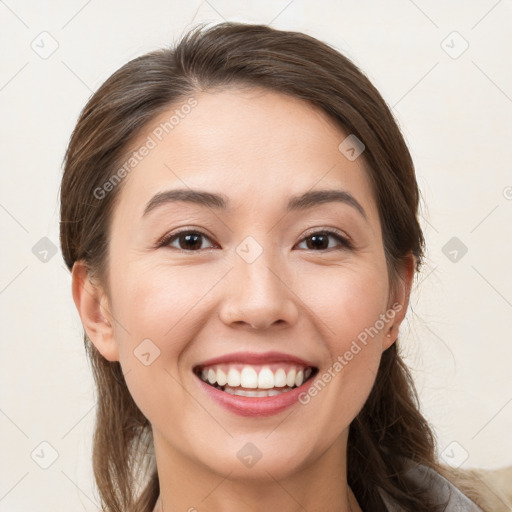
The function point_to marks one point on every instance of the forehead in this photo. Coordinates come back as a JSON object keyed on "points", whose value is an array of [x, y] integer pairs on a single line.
{"points": [[252, 144]]}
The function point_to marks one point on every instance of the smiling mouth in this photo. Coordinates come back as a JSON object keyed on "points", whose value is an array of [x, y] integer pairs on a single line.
{"points": [[255, 380]]}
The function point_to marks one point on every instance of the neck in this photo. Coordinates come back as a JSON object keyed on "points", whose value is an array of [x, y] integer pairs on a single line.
{"points": [[318, 486]]}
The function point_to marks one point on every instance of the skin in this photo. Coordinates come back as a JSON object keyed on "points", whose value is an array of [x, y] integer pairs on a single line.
{"points": [[258, 148]]}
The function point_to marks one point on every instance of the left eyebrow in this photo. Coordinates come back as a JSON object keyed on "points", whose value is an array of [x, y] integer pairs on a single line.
{"points": [[221, 202], [316, 197]]}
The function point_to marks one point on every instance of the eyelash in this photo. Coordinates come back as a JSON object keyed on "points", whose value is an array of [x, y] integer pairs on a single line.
{"points": [[344, 241]]}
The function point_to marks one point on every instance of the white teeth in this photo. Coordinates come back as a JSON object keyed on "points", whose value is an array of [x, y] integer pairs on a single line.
{"points": [[266, 379], [280, 378], [249, 378], [233, 378], [290, 379], [252, 393], [212, 376], [244, 392], [221, 377]]}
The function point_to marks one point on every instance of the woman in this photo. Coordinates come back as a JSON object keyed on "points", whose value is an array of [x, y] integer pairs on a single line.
{"points": [[240, 217]]}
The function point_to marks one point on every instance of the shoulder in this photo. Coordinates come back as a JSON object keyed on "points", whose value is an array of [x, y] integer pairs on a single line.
{"points": [[459, 490], [489, 489]]}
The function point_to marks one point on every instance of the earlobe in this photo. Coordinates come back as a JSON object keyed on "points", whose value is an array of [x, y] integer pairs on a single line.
{"points": [[399, 301], [91, 302]]}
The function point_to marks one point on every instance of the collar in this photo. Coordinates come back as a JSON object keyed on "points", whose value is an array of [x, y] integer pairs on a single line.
{"points": [[441, 490]]}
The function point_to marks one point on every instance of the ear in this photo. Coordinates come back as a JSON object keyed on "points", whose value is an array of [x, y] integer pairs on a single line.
{"points": [[399, 300], [91, 301]]}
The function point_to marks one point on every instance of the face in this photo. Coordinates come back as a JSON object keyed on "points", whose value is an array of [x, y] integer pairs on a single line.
{"points": [[266, 295]]}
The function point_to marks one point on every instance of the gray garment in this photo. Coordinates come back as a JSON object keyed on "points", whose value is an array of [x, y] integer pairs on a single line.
{"points": [[442, 491]]}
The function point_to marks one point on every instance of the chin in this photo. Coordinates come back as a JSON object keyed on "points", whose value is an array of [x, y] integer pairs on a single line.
{"points": [[258, 460]]}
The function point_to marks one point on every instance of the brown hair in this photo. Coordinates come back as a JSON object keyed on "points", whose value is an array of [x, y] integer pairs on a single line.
{"points": [[389, 427]]}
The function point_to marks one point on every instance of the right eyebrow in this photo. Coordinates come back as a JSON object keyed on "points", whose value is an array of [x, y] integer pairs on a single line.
{"points": [[200, 197]]}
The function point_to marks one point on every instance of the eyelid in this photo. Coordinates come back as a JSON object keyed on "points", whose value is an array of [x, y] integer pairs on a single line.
{"points": [[165, 240], [336, 231], [345, 239]]}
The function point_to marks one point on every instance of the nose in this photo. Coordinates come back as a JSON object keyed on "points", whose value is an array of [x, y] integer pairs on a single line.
{"points": [[256, 295]]}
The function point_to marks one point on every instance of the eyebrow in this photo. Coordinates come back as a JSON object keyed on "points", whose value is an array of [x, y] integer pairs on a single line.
{"points": [[221, 202]]}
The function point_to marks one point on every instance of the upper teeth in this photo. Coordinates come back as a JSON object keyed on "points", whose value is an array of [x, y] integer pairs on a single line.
{"points": [[249, 377]]}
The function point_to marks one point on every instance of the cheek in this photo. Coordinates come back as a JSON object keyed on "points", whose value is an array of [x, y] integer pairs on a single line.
{"points": [[347, 301], [154, 309], [158, 303], [347, 305]]}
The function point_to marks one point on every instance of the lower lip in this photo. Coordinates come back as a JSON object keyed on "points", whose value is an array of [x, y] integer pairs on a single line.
{"points": [[256, 406]]}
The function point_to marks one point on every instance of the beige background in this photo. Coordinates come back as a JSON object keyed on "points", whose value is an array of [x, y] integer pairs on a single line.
{"points": [[455, 109]]}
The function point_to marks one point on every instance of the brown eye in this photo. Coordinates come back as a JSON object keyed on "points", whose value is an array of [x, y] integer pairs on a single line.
{"points": [[320, 240], [187, 240]]}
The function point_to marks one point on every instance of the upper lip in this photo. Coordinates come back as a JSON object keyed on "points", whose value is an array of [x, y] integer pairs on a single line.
{"points": [[256, 358]]}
